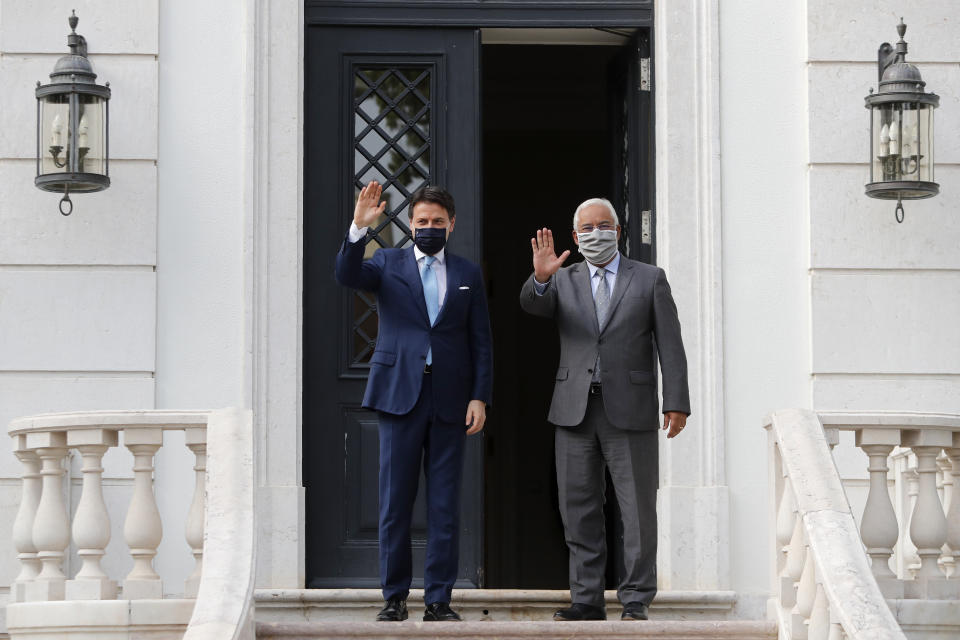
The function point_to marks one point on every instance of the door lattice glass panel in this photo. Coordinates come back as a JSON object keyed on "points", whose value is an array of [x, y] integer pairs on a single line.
{"points": [[392, 136]]}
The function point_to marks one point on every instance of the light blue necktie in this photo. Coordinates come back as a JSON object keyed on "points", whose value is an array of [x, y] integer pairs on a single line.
{"points": [[429, 278]]}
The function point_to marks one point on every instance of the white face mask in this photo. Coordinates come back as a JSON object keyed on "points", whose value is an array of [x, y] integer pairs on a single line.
{"points": [[599, 246]]}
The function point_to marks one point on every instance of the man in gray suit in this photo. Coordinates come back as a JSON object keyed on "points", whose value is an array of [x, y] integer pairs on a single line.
{"points": [[611, 313]]}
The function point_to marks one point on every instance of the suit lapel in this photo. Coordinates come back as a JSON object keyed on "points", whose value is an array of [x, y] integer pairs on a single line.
{"points": [[624, 274], [410, 275], [584, 290], [454, 277]]}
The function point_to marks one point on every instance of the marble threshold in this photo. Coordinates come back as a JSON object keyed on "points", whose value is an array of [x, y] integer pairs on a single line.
{"points": [[609, 630], [488, 605]]}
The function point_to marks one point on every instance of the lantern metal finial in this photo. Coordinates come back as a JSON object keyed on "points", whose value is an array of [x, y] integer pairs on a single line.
{"points": [[901, 129], [73, 125]]}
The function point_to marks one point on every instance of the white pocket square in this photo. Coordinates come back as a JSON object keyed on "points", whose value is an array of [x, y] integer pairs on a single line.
{"points": [[464, 288]]}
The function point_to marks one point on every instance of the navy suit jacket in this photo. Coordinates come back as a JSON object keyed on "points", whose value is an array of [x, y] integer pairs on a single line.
{"points": [[460, 337]]}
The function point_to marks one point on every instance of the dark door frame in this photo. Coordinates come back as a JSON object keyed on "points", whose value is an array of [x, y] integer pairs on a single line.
{"points": [[523, 14], [481, 13]]}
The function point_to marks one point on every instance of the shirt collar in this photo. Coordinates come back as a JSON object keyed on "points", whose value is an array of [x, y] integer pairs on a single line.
{"points": [[420, 255], [611, 268]]}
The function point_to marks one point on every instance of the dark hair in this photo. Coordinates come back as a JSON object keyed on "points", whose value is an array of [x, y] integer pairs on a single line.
{"points": [[436, 195]]}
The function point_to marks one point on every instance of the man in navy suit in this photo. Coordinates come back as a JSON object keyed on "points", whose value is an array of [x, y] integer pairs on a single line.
{"points": [[431, 377]]}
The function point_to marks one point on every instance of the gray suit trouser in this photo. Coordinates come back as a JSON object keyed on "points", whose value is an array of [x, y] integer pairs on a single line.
{"points": [[583, 453]]}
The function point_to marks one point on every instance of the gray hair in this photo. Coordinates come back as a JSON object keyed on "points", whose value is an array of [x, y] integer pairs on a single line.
{"points": [[591, 202]]}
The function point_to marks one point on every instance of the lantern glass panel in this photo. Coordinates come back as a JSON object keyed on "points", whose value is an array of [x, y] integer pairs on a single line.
{"points": [[91, 140], [902, 145], [925, 140], [54, 132]]}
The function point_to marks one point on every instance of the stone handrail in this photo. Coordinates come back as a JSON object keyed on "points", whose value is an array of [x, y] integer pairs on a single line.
{"points": [[43, 531], [224, 608], [823, 586]]}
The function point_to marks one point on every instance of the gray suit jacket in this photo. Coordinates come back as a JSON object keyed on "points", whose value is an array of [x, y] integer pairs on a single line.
{"points": [[641, 311]]}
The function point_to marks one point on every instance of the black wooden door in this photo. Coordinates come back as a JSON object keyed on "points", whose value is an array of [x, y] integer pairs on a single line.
{"points": [[397, 105]]}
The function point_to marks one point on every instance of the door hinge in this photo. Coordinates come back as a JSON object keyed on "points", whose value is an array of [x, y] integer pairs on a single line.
{"points": [[644, 74], [646, 235]]}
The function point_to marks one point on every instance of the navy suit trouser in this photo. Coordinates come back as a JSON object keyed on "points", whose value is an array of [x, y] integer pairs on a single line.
{"points": [[405, 442]]}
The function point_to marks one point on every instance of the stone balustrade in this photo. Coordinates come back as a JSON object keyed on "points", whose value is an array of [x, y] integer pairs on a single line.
{"points": [[45, 603], [823, 587], [919, 530], [42, 530]]}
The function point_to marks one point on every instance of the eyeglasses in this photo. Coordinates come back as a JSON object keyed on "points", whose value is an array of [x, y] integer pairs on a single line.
{"points": [[603, 226]]}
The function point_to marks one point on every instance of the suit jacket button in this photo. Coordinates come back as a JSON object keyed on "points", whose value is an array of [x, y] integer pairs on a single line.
{"points": [[589, 370]]}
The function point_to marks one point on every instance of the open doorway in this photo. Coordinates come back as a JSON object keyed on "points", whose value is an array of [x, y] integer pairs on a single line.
{"points": [[554, 120]]}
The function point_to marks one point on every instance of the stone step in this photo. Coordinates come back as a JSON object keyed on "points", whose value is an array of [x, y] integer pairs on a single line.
{"points": [[523, 630], [486, 605]]}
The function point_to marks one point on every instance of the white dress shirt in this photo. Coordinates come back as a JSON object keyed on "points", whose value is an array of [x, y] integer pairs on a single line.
{"points": [[439, 266], [611, 275]]}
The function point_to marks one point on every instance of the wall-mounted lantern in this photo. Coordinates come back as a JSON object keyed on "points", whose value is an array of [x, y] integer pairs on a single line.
{"points": [[73, 123], [901, 130]]}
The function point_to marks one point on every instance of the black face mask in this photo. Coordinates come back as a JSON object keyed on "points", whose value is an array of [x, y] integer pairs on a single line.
{"points": [[430, 239]]}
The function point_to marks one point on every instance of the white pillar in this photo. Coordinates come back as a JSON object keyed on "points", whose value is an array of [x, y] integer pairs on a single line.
{"points": [[196, 439], [51, 527], [91, 523], [23, 525], [143, 529]]}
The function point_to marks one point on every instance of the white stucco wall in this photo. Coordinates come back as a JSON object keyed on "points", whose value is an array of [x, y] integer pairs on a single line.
{"points": [[828, 302], [885, 296], [137, 299], [77, 294]]}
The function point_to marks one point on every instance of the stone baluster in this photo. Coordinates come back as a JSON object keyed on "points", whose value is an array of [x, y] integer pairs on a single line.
{"points": [[819, 625], [878, 528], [786, 526], [91, 523], [806, 594], [143, 529], [836, 632], [23, 525], [196, 440], [793, 566], [953, 510], [911, 561], [945, 485], [928, 525], [51, 526]]}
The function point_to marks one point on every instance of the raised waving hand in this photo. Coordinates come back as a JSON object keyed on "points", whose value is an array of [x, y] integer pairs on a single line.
{"points": [[545, 259], [369, 207]]}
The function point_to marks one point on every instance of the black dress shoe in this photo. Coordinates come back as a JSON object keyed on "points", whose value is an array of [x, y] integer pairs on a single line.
{"points": [[580, 611], [440, 612], [634, 611], [394, 610]]}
